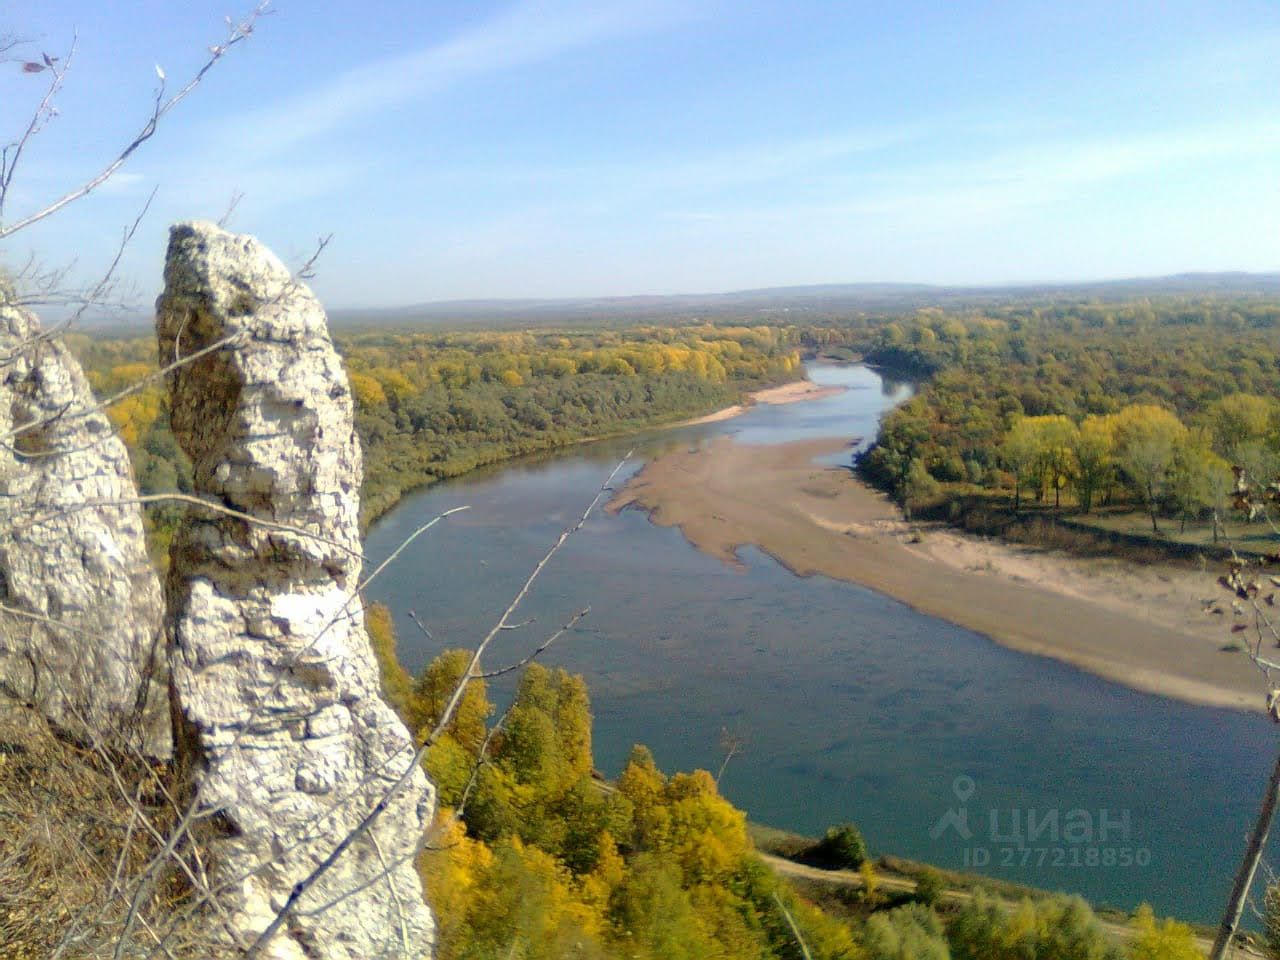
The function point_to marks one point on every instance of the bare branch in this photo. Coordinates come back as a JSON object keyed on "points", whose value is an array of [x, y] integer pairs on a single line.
{"points": [[795, 930], [234, 202], [194, 501], [128, 391], [12, 153], [413, 615], [573, 621], [160, 108], [471, 672]]}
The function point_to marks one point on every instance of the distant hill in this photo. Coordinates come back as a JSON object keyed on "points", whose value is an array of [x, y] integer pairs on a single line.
{"points": [[815, 302], [807, 302]]}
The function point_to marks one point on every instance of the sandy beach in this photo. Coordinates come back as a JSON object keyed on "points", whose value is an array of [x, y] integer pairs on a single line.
{"points": [[1144, 626], [792, 392]]}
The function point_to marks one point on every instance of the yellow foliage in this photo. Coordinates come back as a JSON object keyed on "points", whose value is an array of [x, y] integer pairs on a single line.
{"points": [[708, 836], [598, 885], [133, 416], [1140, 422], [1162, 939], [870, 880], [368, 391], [452, 867]]}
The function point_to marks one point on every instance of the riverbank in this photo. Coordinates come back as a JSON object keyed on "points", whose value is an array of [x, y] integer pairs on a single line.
{"points": [[375, 504], [1146, 627], [793, 392]]}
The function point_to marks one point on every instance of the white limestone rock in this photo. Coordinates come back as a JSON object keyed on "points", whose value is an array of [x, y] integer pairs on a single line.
{"points": [[80, 632], [274, 679]]}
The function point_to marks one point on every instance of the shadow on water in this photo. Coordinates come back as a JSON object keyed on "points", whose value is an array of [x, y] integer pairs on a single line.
{"points": [[851, 706]]}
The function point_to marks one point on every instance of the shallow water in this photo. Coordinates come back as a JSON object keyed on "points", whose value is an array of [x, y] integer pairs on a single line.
{"points": [[851, 706]]}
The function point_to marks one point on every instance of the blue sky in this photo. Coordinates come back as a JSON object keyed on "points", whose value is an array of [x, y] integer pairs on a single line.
{"points": [[562, 148]]}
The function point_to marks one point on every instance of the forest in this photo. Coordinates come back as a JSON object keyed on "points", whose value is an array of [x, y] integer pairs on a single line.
{"points": [[534, 855], [1146, 406], [1142, 406], [434, 405]]}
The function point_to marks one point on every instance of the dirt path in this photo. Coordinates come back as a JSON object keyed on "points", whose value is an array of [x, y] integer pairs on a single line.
{"points": [[1121, 932]]}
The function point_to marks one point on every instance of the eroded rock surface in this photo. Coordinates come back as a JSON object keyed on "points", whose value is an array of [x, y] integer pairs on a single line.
{"points": [[80, 632], [275, 682]]}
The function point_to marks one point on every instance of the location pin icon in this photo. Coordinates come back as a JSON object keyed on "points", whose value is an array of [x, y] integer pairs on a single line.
{"points": [[963, 788]]}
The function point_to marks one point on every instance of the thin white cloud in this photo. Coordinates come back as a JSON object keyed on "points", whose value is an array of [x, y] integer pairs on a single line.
{"points": [[526, 33], [123, 183], [996, 186]]}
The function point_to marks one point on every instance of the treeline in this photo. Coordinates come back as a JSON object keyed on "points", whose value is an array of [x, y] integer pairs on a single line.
{"points": [[432, 405], [533, 856], [1147, 405], [437, 406]]}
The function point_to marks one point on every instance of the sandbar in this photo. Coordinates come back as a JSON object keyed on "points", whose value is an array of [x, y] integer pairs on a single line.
{"points": [[1158, 629]]}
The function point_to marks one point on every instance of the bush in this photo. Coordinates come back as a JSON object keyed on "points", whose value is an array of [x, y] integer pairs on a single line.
{"points": [[929, 887], [912, 932], [841, 849], [1063, 928], [1162, 939]]}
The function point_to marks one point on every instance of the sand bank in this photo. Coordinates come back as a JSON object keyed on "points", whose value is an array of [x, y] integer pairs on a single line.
{"points": [[792, 392], [1143, 626]]}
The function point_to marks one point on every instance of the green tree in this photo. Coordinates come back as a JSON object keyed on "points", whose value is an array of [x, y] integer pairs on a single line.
{"points": [[841, 848], [913, 932], [1063, 928], [1200, 479], [1023, 455], [1162, 939], [929, 887], [1058, 440], [919, 487], [1241, 418], [1093, 447], [1147, 442]]}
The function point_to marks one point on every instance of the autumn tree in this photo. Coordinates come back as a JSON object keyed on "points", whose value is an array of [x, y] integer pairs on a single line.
{"points": [[913, 932], [1147, 442], [1022, 454], [1058, 438], [1092, 446], [1162, 939]]}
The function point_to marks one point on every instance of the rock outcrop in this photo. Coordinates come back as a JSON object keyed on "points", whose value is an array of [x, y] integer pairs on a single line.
{"points": [[275, 685], [80, 628]]}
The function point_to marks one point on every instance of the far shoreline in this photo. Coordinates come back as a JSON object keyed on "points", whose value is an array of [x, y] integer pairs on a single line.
{"points": [[1144, 627], [794, 391]]}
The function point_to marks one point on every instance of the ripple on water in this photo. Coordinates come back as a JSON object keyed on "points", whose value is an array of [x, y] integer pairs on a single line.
{"points": [[851, 706]]}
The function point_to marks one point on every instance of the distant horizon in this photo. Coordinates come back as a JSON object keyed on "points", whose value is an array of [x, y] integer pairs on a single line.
{"points": [[1204, 282], [833, 284], [554, 149]]}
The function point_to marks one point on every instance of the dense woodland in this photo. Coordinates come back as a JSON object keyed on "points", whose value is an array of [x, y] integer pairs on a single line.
{"points": [[435, 405], [1148, 405], [534, 856], [1145, 405]]}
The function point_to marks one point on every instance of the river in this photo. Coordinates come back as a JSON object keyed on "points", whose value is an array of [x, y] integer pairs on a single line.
{"points": [[939, 744]]}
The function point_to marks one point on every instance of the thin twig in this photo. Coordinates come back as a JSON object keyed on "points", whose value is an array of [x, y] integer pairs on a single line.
{"points": [[195, 501], [300, 888], [160, 107], [539, 651]]}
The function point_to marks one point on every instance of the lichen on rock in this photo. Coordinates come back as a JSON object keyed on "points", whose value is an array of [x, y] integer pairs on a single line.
{"points": [[276, 688], [80, 604]]}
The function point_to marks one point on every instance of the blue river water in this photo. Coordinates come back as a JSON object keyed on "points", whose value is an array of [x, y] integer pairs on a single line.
{"points": [[941, 745]]}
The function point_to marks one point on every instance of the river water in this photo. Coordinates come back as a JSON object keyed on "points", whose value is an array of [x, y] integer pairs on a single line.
{"points": [[939, 744]]}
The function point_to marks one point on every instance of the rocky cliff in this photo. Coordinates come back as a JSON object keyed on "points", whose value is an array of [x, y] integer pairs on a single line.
{"points": [[276, 690], [81, 605]]}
